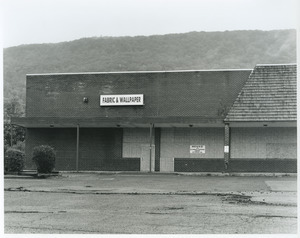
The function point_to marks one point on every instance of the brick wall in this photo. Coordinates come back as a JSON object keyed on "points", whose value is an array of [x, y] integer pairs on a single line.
{"points": [[63, 141], [100, 149], [190, 93]]}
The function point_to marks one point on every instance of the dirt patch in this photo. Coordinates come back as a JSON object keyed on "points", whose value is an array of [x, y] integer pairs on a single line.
{"points": [[165, 210], [18, 189], [173, 208], [247, 200], [235, 198]]}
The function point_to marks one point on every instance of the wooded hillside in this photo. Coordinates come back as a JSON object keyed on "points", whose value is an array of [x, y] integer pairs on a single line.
{"points": [[194, 50]]}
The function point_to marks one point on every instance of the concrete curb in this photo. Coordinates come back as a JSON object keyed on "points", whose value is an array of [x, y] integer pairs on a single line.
{"points": [[184, 173], [200, 174], [34, 175], [242, 174]]}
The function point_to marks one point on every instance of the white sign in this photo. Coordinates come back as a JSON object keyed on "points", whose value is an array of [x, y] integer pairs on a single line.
{"points": [[122, 100], [197, 149], [226, 149]]}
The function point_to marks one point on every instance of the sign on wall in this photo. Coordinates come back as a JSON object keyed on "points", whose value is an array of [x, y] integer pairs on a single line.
{"points": [[122, 100], [197, 149]]}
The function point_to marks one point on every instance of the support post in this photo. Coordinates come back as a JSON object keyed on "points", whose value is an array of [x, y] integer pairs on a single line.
{"points": [[77, 149], [227, 145], [150, 146]]}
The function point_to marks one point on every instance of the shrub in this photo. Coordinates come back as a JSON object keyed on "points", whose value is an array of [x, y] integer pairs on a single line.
{"points": [[44, 158], [14, 160]]}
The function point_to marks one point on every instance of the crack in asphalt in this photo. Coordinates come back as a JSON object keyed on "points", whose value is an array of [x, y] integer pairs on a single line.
{"points": [[228, 214], [231, 198], [249, 215], [34, 212], [56, 229], [273, 216]]}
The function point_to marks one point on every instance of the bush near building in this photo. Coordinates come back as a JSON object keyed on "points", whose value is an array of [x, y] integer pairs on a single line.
{"points": [[14, 160], [44, 158]]}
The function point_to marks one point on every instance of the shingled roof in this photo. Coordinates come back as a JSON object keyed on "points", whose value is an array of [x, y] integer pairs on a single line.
{"points": [[270, 94]]}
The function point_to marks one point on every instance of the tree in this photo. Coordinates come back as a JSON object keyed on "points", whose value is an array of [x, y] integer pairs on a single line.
{"points": [[13, 107], [13, 133]]}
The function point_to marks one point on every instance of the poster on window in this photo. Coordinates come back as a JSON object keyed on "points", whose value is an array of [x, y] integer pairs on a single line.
{"points": [[197, 149]]}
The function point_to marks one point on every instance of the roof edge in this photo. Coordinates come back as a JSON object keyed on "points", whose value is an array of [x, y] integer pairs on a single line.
{"points": [[137, 72], [288, 64]]}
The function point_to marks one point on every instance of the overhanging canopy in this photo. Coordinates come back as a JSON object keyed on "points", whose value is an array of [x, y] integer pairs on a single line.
{"points": [[64, 122]]}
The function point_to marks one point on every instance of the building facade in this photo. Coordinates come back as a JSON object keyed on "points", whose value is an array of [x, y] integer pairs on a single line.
{"points": [[171, 121]]}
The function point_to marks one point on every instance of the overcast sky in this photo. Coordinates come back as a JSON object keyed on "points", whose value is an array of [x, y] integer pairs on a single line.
{"points": [[45, 21]]}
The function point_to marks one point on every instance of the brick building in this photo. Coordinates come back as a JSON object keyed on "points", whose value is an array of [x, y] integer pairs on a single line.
{"points": [[182, 121]]}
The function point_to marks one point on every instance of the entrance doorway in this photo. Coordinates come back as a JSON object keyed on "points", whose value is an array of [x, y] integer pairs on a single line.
{"points": [[145, 158]]}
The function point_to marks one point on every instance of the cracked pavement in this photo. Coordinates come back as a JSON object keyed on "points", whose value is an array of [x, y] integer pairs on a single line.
{"points": [[120, 203]]}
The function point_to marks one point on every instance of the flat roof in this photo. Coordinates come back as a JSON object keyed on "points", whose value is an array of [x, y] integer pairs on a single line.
{"points": [[137, 72]]}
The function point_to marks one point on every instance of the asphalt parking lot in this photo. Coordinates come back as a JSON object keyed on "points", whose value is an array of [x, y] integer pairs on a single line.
{"points": [[137, 203]]}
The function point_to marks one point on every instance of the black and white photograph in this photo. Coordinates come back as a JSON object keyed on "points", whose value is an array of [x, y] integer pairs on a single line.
{"points": [[149, 117]]}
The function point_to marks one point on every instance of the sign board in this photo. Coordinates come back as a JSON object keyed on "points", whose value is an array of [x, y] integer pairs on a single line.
{"points": [[197, 149], [122, 100], [226, 149]]}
